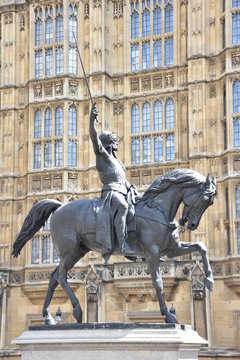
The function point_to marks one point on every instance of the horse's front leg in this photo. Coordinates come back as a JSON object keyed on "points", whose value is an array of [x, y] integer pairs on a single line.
{"points": [[154, 268], [188, 248]]}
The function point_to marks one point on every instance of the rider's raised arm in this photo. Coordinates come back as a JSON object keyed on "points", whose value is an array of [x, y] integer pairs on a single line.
{"points": [[97, 145]]}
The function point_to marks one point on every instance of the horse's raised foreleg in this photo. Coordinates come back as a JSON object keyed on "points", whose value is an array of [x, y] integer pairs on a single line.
{"points": [[154, 267], [53, 283], [187, 248]]}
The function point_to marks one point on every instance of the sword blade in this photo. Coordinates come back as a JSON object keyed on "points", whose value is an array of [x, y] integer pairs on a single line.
{"points": [[84, 73]]}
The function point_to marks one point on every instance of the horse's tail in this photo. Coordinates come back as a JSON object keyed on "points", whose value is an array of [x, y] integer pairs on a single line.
{"points": [[35, 219]]}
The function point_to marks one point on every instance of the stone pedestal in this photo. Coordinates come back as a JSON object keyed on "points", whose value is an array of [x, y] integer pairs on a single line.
{"points": [[108, 341]]}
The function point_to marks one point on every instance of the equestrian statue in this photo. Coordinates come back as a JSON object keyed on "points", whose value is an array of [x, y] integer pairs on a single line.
{"points": [[121, 222]]}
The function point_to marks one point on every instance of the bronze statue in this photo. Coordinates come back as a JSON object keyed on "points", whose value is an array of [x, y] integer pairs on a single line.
{"points": [[73, 229], [116, 196]]}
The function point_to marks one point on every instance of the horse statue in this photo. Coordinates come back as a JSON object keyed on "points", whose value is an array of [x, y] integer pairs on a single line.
{"points": [[73, 229]]}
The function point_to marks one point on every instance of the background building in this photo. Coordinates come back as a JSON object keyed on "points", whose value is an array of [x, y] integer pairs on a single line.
{"points": [[165, 76]]}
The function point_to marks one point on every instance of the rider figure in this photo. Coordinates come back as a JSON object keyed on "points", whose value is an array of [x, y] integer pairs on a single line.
{"points": [[112, 174]]}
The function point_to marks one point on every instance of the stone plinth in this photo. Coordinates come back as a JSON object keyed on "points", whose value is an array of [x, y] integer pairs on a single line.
{"points": [[109, 341]]}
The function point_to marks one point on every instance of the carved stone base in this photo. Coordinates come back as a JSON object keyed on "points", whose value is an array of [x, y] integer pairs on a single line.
{"points": [[110, 341]]}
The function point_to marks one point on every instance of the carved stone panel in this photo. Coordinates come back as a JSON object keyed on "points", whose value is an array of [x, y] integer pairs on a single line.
{"points": [[146, 83], [134, 85], [37, 90], [157, 82], [36, 183], [235, 60], [57, 181], [59, 88]]}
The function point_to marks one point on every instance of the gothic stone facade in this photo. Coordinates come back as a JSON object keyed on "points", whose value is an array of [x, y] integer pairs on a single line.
{"points": [[165, 76]]}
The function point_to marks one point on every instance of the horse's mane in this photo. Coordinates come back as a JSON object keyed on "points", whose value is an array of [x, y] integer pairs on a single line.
{"points": [[180, 177]]}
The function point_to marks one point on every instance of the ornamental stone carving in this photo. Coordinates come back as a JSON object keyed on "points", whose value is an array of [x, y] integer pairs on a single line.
{"points": [[212, 91], [73, 87], [48, 90], [157, 82], [92, 281], [118, 108], [197, 278], [235, 60], [37, 90], [97, 3], [169, 80], [8, 19], [59, 88], [134, 85], [146, 83]]}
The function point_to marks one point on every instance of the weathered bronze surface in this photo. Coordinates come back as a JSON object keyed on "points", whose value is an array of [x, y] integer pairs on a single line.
{"points": [[100, 224]]}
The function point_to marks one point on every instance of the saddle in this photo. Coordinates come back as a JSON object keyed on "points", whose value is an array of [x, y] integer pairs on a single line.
{"points": [[99, 220]]}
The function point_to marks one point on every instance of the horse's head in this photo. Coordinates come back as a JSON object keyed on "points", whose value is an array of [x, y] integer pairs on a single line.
{"points": [[195, 203]]}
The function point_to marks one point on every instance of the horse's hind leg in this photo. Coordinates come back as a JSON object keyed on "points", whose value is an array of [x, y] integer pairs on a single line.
{"points": [[66, 263], [188, 248], [53, 283]]}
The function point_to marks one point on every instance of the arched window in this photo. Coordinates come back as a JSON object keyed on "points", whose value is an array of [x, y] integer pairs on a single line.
{"points": [[72, 23], [48, 31], [35, 250], [169, 19], [169, 51], [72, 153], [146, 55], [169, 114], [49, 62], [59, 29], [135, 57], [158, 120], [46, 249], [135, 150], [48, 123], [146, 117], [237, 196], [135, 119], [134, 25], [47, 154], [38, 32], [72, 60], [158, 149], [145, 23], [38, 63], [236, 131], [236, 96], [59, 121], [235, 3], [58, 153], [170, 150], [146, 146], [72, 121], [157, 53], [59, 60], [157, 21], [38, 124], [236, 28], [37, 156]]}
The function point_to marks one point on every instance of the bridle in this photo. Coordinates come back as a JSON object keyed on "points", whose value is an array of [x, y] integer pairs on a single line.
{"points": [[194, 205]]}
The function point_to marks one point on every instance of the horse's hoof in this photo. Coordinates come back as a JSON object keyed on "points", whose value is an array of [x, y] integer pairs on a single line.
{"points": [[171, 318], [49, 320], [77, 313], [209, 283]]}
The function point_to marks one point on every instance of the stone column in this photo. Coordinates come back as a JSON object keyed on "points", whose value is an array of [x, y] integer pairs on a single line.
{"points": [[3, 298]]}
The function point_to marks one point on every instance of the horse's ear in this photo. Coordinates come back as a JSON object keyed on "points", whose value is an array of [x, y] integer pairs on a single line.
{"points": [[208, 182], [214, 181]]}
